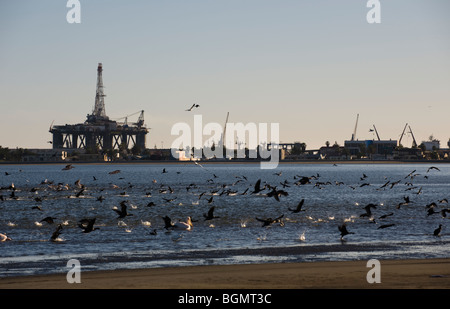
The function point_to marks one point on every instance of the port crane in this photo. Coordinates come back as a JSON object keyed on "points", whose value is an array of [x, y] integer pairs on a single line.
{"points": [[140, 121], [414, 144]]}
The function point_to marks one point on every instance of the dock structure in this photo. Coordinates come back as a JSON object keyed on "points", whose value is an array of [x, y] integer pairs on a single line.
{"points": [[98, 132]]}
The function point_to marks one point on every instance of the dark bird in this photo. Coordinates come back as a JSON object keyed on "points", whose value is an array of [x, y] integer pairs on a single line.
{"points": [[193, 105], [100, 198], [443, 201], [386, 215], [151, 204], [299, 207], [87, 225], [56, 233], [437, 231], [49, 220], [386, 225], [343, 229], [68, 167], [154, 232], [364, 184], [277, 193], [210, 200], [269, 221], [410, 174], [368, 210], [433, 168], [81, 192], [123, 210], [444, 212], [164, 171], [168, 200], [431, 211], [210, 214], [114, 172], [258, 187]]}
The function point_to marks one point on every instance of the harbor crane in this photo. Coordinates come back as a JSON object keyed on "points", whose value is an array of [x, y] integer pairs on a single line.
{"points": [[414, 144], [356, 126]]}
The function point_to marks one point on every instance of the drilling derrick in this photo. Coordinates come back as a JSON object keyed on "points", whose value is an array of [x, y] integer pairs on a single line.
{"points": [[99, 112], [98, 132]]}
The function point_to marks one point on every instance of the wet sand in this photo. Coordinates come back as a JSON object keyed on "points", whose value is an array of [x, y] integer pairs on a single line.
{"points": [[394, 274]]}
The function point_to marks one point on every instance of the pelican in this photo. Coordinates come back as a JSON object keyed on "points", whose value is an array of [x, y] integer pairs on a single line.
{"points": [[3, 237]]}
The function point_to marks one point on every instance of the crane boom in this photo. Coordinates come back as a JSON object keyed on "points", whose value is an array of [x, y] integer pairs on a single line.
{"points": [[376, 132], [403, 133], [414, 145], [356, 126]]}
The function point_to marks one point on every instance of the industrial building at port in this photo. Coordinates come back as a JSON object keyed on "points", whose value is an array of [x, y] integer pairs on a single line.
{"points": [[99, 138]]}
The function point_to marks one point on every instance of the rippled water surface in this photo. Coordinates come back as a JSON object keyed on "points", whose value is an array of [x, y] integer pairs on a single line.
{"points": [[334, 195]]}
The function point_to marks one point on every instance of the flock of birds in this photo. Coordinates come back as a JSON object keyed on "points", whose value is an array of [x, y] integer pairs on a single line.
{"points": [[260, 188]]}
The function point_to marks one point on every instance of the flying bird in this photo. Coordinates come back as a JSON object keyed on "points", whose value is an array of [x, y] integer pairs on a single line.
{"points": [[258, 187], [433, 168], [210, 214], [299, 207], [56, 233], [343, 229], [193, 105], [269, 221], [123, 210], [87, 225]]}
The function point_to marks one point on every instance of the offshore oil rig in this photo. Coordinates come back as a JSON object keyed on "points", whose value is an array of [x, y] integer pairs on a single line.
{"points": [[98, 132]]}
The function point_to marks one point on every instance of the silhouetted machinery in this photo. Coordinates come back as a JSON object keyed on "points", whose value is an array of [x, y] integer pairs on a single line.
{"points": [[98, 131]]}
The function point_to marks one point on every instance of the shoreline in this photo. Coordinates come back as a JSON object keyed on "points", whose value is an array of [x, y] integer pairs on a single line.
{"points": [[394, 274]]}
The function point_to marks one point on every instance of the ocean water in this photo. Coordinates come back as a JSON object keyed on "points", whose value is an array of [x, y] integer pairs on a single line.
{"points": [[335, 194]]}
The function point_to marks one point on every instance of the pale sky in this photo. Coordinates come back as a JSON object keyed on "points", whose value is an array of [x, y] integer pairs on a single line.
{"points": [[310, 66]]}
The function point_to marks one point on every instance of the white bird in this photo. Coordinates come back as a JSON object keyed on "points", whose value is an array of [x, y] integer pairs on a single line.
{"points": [[180, 225], [3, 237]]}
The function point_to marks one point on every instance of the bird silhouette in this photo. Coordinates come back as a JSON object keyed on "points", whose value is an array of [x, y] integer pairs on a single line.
{"points": [[343, 229], [433, 168], [386, 225], [299, 207], [49, 220], [269, 221], [437, 232], [210, 214], [193, 105], [87, 225], [123, 210], [258, 187], [56, 233]]}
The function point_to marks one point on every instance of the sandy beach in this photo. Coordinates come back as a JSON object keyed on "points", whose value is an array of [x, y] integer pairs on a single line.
{"points": [[394, 274]]}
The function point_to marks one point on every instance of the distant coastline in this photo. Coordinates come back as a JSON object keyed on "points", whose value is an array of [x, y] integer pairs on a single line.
{"points": [[283, 162]]}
